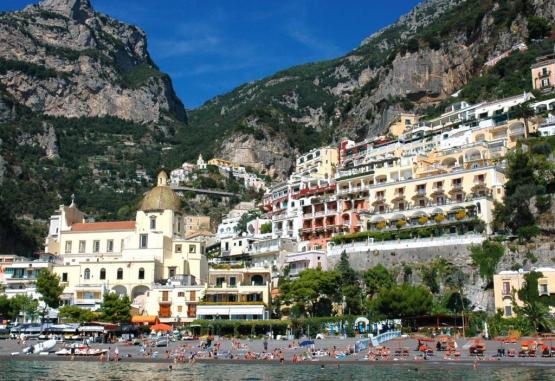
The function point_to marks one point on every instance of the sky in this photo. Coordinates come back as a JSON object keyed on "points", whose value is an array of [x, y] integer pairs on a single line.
{"points": [[209, 47]]}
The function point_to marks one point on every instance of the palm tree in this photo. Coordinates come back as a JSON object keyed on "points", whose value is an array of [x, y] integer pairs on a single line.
{"points": [[524, 111]]}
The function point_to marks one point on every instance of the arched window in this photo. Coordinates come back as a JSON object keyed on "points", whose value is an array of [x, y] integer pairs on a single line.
{"points": [[120, 273], [102, 274], [257, 280], [87, 274], [141, 273]]}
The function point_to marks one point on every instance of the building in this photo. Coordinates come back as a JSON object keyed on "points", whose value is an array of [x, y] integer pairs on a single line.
{"points": [[174, 302], [318, 163], [547, 128], [126, 257], [298, 262], [507, 283], [20, 275], [403, 122], [236, 294], [543, 73], [201, 164], [196, 223]]}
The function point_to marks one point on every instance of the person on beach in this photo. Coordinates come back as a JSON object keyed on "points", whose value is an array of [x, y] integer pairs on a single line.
{"points": [[265, 344], [281, 357], [116, 355]]}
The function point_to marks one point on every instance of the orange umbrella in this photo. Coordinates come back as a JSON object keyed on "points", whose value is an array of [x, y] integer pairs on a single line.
{"points": [[161, 327]]}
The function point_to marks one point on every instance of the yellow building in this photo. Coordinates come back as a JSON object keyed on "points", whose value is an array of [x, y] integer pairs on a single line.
{"points": [[126, 257], [402, 123], [320, 162], [237, 294], [506, 283], [223, 163], [196, 223]]}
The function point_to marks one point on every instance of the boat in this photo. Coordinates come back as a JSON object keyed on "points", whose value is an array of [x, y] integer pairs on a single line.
{"points": [[82, 352], [44, 346]]}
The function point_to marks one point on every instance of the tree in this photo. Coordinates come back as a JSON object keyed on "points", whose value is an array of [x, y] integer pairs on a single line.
{"points": [[116, 308], [376, 278], [524, 111], [13, 307], [486, 256], [350, 289], [48, 285], [538, 27], [266, 228], [402, 301], [74, 314], [241, 226], [311, 286], [535, 309]]}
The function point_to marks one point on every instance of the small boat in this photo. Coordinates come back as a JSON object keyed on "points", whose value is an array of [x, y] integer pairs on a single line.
{"points": [[44, 346]]}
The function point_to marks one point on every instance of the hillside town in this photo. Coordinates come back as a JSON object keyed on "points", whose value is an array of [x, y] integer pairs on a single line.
{"points": [[427, 183], [248, 187]]}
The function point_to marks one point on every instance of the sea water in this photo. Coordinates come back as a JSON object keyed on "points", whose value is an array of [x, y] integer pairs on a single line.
{"points": [[76, 370]]}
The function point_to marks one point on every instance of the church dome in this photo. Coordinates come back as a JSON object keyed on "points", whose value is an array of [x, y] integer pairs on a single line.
{"points": [[161, 197]]}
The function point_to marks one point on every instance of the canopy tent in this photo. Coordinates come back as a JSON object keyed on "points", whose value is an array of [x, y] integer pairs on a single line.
{"points": [[144, 319], [161, 327]]}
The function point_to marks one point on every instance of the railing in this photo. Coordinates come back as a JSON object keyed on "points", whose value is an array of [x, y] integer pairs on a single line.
{"points": [[383, 337], [365, 246]]}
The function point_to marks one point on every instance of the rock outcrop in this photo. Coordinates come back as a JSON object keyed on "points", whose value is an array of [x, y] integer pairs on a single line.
{"points": [[61, 58], [415, 63]]}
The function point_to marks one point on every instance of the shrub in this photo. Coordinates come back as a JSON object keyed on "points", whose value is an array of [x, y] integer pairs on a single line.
{"points": [[439, 218], [422, 220]]}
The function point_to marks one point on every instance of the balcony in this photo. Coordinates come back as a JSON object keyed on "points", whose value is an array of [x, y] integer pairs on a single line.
{"points": [[517, 131], [164, 300], [544, 74]]}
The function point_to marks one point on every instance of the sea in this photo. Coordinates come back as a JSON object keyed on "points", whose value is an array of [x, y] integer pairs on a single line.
{"points": [[15, 370]]}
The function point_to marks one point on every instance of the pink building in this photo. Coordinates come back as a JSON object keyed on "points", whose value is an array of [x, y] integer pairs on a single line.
{"points": [[543, 73], [299, 262]]}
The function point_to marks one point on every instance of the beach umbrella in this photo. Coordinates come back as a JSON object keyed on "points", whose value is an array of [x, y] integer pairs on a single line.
{"points": [[161, 327]]}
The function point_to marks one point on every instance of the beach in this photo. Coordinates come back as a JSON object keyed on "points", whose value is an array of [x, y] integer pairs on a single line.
{"points": [[327, 351]]}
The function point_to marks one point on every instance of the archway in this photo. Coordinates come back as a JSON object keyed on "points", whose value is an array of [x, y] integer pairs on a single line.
{"points": [[120, 290], [138, 291]]}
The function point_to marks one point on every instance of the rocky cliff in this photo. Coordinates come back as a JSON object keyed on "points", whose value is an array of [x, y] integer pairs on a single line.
{"points": [[415, 63], [84, 110], [61, 58]]}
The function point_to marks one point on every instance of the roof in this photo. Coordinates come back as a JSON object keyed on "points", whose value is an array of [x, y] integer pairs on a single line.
{"points": [[198, 233], [161, 198], [108, 225]]}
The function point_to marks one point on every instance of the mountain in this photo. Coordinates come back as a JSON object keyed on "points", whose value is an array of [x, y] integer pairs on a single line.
{"points": [[413, 65], [84, 110], [61, 58]]}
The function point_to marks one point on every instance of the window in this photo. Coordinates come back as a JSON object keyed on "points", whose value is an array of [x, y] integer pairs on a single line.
{"points": [[178, 249], [141, 273], [102, 274], [82, 246], [545, 82], [192, 249], [543, 289], [96, 246], [121, 245], [143, 241], [232, 281], [87, 274], [180, 294], [179, 308], [152, 223], [508, 311], [506, 288], [192, 295], [120, 274], [68, 247], [110, 246], [64, 277], [171, 272]]}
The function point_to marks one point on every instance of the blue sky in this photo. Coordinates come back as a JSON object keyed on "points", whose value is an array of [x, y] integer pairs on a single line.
{"points": [[209, 47]]}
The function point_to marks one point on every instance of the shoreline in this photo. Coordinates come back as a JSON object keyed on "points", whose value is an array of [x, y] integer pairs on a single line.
{"points": [[441, 363]]}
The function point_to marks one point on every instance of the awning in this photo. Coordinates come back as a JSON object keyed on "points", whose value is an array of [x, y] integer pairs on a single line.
{"points": [[230, 310], [377, 219], [91, 328], [144, 319]]}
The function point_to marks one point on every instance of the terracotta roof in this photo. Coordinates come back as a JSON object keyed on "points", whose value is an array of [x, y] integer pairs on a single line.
{"points": [[108, 225], [198, 233]]}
